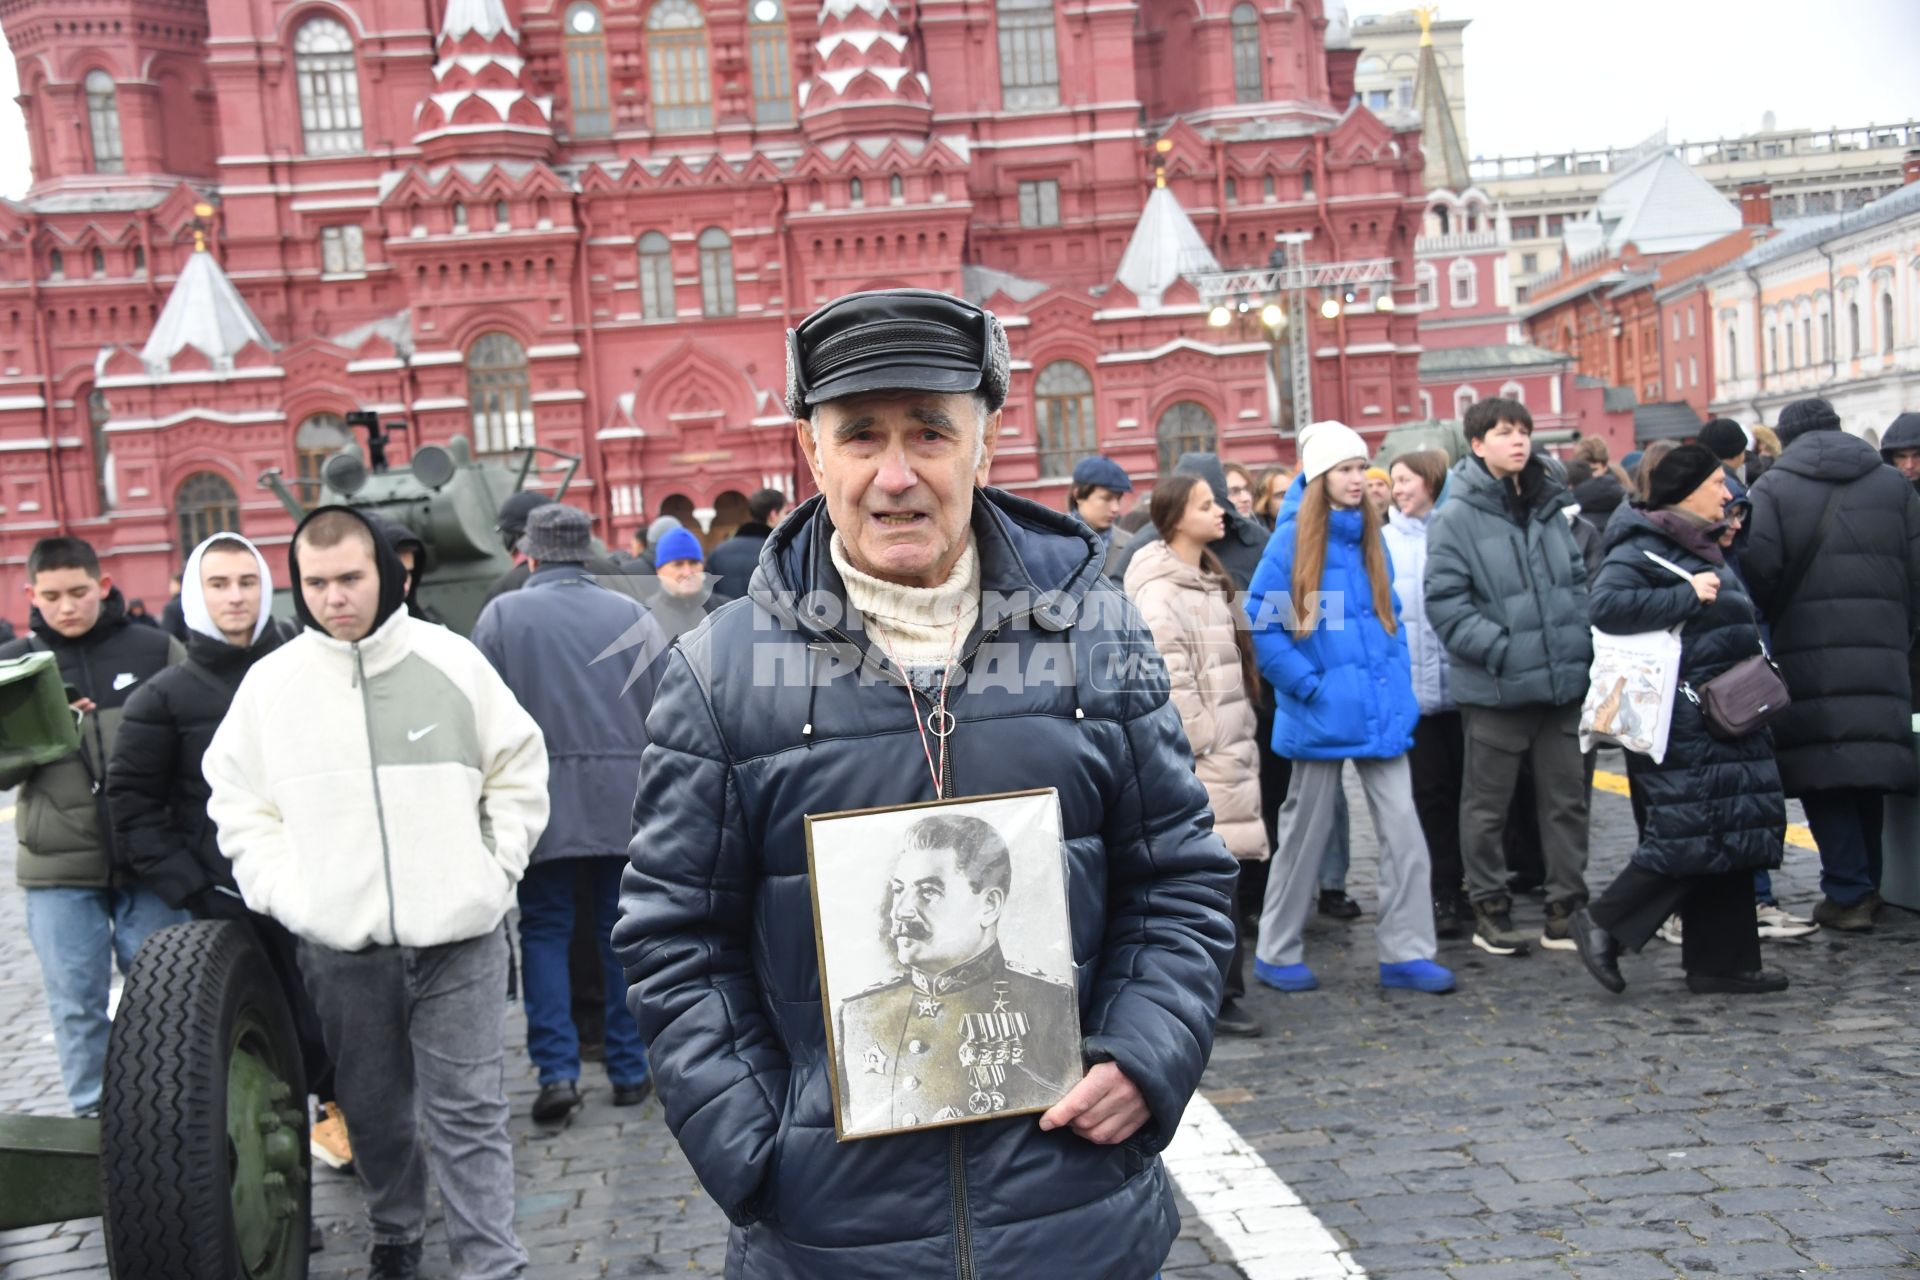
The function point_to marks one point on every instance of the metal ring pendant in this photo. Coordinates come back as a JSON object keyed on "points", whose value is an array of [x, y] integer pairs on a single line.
{"points": [[940, 722]]}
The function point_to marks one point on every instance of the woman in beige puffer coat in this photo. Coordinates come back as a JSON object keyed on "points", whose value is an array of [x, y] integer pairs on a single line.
{"points": [[1183, 592]]}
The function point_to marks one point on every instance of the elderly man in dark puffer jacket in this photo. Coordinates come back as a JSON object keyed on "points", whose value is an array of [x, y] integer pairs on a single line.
{"points": [[1833, 562], [872, 602]]}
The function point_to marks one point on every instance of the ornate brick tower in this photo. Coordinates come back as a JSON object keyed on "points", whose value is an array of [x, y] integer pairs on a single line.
{"points": [[113, 91]]}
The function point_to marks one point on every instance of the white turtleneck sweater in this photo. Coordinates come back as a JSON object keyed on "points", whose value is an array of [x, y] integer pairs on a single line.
{"points": [[918, 627]]}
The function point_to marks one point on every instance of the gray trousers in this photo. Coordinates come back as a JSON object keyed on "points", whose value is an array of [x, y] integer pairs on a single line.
{"points": [[417, 1037], [1497, 740], [1405, 929]]}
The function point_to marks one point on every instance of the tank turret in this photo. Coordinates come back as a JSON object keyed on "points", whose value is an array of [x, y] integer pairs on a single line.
{"points": [[448, 498]]}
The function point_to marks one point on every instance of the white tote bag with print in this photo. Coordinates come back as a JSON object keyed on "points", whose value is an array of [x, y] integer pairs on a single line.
{"points": [[1631, 686]]}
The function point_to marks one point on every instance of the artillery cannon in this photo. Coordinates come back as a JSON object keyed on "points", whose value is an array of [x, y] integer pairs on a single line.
{"points": [[198, 1164], [448, 498]]}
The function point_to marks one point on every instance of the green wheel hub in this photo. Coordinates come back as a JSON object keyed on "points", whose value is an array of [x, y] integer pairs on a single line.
{"points": [[263, 1151]]}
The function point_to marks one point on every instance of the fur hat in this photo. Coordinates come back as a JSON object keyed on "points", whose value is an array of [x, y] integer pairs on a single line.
{"points": [[1325, 445], [558, 534], [1678, 474]]}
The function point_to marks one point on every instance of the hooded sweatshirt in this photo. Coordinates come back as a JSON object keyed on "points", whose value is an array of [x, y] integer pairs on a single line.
{"points": [[1904, 433], [381, 791], [156, 789]]}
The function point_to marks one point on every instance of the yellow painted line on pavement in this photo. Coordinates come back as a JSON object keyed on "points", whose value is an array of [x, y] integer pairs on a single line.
{"points": [[1797, 833]]}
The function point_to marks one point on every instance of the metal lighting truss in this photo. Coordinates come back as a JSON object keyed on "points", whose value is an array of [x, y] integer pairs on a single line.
{"points": [[1292, 281]]}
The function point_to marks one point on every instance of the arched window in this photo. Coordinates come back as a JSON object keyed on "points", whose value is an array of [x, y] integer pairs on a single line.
{"points": [[498, 400], [1247, 85], [586, 50], [656, 277], [98, 260], [856, 192], [1733, 352], [1233, 190], [1306, 184], [316, 440], [1853, 328], [1463, 399], [896, 189], [1065, 419], [205, 505], [459, 215], [97, 415], [56, 265], [1029, 68], [1184, 428], [329, 88], [716, 272], [677, 60], [1886, 323], [767, 54], [103, 123]]}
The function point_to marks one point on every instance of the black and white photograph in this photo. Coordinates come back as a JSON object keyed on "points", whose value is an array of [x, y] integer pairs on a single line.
{"points": [[946, 961]]}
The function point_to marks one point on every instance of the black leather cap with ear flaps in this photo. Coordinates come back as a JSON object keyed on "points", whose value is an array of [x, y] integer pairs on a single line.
{"points": [[895, 340]]}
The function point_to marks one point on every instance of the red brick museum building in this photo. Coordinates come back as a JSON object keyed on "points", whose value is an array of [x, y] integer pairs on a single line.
{"points": [[588, 223]]}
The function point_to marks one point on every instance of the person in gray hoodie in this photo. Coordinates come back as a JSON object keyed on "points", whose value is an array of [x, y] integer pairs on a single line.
{"points": [[1507, 594]]}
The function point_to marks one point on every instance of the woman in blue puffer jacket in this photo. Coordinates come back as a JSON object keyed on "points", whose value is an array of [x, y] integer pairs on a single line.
{"points": [[1343, 690]]}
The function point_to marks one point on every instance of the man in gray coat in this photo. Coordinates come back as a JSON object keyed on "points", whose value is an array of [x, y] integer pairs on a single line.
{"points": [[1507, 595], [580, 659]]}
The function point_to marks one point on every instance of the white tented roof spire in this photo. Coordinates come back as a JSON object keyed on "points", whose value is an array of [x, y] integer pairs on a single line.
{"points": [[1165, 246], [204, 312], [482, 17]]}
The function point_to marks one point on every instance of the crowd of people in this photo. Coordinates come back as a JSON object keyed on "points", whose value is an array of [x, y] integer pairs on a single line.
{"points": [[629, 746]]}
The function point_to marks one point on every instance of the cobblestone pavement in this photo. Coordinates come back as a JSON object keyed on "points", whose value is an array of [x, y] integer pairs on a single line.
{"points": [[1530, 1125]]}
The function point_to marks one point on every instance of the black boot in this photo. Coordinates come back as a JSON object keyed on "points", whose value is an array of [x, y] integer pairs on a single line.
{"points": [[394, 1262], [1336, 903], [1760, 982], [1446, 920], [1235, 1021], [557, 1102], [1599, 951]]}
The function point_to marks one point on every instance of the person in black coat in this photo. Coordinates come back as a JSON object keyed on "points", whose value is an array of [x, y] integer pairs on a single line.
{"points": [[157, 795], [733, 561], [1715, 812], [1832, 558]]}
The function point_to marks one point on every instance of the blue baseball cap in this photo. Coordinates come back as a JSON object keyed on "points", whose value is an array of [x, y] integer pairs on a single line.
{"points": [[678, 544], [1102, 471]]}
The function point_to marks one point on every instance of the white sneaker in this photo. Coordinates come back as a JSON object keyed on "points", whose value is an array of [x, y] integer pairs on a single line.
{"points": [[1670, 931], [1777, 923]]}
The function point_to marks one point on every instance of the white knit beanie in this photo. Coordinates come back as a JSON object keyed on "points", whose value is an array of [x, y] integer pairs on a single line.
{"points": [[1325, 445]]}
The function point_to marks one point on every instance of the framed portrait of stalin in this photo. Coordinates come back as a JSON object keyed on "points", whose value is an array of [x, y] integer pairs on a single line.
{"points": [[946, 961]]}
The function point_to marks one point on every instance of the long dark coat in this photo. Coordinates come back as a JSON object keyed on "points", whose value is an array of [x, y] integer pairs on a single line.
{"points": [[1712, 806], [1843, 637]]}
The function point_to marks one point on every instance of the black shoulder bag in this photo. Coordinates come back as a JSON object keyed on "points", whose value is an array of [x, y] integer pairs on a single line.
{"points": [[1743, 698]]}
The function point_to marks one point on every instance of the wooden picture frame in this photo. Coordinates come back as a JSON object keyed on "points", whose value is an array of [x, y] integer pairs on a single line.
{"points": [[975, 1014]]}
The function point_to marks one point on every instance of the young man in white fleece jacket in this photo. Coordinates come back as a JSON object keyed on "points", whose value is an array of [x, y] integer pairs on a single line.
{"points": [[378, 790]]}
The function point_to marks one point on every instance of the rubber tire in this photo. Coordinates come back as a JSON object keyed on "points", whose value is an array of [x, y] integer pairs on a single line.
{"points": [[163, 1114]]}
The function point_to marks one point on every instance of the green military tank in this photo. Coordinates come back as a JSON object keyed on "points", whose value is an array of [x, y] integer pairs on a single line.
{"points": [[447, 497]]}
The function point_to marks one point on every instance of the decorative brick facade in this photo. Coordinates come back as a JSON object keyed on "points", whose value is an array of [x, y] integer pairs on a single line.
{"points": [[588, 225]]}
